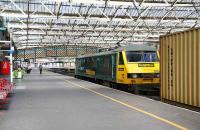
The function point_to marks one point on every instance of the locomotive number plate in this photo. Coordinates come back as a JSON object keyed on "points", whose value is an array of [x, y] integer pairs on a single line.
{"points": [[146, 65], [120, 69]]}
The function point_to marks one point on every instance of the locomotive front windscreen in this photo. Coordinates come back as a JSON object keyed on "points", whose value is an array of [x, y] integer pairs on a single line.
{"points": [[133, 56]]}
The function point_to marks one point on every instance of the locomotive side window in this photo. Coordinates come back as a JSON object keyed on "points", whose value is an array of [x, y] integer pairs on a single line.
{"points": [[121, 60]]}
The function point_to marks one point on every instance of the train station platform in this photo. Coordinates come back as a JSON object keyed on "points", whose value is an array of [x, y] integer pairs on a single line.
{"points": [[52, 101]]}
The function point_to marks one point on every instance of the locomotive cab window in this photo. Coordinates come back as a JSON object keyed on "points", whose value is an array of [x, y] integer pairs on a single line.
{"points": [[133, 56], [121, 59]]}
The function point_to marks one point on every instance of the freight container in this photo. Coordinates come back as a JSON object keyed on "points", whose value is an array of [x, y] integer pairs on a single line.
{"points": [[180, 67]]}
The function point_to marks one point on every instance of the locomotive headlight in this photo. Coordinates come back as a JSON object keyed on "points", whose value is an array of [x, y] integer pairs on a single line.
{"points": [[132, 75], [157, 75]]}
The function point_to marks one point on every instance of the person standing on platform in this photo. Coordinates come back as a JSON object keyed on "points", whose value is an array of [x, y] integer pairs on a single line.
{"points": [[40, 67], [29, 68]]}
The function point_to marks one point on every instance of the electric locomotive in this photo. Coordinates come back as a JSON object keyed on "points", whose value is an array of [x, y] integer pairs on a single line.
{"points": [[134, 67]]}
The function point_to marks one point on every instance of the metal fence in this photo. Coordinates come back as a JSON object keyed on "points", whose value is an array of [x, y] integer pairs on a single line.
{"points": [[54, 51]]}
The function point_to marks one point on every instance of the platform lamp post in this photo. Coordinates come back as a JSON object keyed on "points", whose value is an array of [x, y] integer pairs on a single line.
{"points": [[11, 57]]}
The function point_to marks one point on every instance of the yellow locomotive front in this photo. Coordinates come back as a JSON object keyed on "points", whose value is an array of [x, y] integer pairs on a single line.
{"points": [[138, 67]]}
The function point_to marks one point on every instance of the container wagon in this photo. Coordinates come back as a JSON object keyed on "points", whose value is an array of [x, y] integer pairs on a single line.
{"points": [[180, 67]]}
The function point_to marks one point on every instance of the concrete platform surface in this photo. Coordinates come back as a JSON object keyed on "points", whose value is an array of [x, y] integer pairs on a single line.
{"points": [[56, 102]]}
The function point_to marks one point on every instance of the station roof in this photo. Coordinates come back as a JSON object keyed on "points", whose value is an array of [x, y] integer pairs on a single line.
{"points": [[102, 23]]}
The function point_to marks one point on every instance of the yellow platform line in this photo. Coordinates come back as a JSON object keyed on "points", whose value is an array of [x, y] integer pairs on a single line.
{"points": [[131, 107]]}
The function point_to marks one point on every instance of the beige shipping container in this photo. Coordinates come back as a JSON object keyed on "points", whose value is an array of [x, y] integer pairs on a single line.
{"points": [[180, 67]]}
